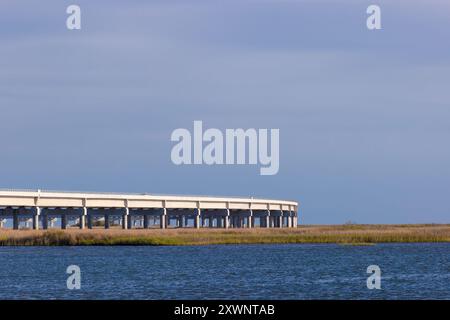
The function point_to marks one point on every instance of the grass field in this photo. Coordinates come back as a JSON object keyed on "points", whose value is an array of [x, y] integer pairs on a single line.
{"points": [[341, 234]]}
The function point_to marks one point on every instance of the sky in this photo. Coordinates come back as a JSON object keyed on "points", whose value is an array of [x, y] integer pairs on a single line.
{"points": [[364, 116]]}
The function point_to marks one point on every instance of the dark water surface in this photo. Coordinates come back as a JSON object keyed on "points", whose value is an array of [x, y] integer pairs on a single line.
{"points": [[409, 271]]}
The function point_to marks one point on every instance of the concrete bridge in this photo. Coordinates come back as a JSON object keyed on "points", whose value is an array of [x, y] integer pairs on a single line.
{"points": [[47, 209]]}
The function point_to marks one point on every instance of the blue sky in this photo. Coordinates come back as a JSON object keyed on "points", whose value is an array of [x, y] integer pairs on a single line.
{"points": [[364, 116]]}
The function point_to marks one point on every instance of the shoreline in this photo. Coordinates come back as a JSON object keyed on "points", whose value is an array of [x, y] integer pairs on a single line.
{"points": [[348, 234]]}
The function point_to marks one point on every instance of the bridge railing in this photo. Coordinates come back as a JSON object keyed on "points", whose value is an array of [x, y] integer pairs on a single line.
{"points": [[129, 193]]}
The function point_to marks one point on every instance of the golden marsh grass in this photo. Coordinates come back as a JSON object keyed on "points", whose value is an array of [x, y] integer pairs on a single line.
{"points": [[340, 234]]}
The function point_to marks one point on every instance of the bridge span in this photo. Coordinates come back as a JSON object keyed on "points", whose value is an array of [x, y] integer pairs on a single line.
{"points": [[35, 209]]}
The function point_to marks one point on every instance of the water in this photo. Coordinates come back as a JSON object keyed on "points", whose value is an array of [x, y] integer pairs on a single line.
{"points": [[409, 271]]}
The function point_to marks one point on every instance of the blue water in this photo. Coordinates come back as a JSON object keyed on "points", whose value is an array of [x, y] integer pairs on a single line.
{"points": [[409, 271]]}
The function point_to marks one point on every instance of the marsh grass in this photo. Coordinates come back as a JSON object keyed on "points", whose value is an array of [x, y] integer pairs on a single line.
{"points": [[351, 234]]}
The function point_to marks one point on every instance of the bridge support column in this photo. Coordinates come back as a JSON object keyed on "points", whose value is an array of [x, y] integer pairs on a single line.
{"points": [[44, 221], [52, 222], [82, 220], [180, 221], [83, 216], [15, 220], [227, 220], [36, 216], [146, 222], [63, 221], [280, 220], [210, 221], [197, 219], [267, 220], [106, 221], [251, 220], [130, 222], [125, 218], [163, 219], [90, 220]]}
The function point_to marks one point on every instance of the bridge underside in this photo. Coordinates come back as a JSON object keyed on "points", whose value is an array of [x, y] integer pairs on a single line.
{"points": [[125, 218]]}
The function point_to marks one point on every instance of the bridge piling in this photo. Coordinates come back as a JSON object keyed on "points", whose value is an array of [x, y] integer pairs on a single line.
{"points": [[36, 217]]}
